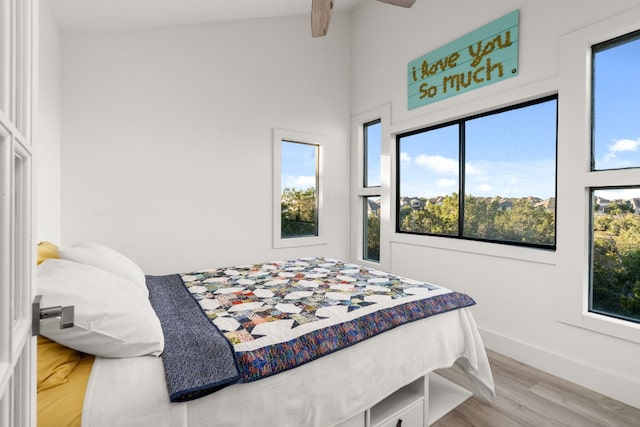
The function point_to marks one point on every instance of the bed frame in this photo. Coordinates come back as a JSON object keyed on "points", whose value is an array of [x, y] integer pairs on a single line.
{"points": [[419, 404]]}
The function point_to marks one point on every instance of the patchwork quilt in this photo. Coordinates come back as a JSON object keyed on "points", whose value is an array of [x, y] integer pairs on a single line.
{"points": [[281, 314]]}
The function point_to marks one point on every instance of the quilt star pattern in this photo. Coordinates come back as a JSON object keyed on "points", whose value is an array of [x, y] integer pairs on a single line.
{"points": [[270, 299]]}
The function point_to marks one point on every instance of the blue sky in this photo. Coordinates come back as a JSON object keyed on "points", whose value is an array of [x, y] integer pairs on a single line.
{"points": [[372, 162], [617, 102], [504, 153], [298, 165], [617, 95], [511, 154]]}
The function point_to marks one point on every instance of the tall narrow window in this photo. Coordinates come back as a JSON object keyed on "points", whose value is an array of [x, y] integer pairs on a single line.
{"points": [[615, 206], [370, 182], [372, 146], [616, 103], [299, 190], [371, 221]]}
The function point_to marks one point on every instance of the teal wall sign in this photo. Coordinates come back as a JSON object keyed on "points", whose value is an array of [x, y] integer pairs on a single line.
{"points": [[482, 57]]}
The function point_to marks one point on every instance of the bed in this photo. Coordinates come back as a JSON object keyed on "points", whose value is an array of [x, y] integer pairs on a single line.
{"points": [[303, 342]]}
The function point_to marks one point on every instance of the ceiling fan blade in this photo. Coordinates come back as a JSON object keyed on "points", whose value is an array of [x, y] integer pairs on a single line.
{"points": [[320, 17], [401, 3]]}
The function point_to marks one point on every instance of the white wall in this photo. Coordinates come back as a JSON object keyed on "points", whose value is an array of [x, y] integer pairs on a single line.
{"points": [[167, 137], [516, 289], [47, 130]]}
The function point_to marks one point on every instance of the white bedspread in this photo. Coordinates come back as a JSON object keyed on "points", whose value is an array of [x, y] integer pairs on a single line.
{"points": [[132, 392]]}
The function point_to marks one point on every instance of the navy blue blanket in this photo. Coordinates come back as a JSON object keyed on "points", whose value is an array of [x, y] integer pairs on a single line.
{"points": [[198, 359]]}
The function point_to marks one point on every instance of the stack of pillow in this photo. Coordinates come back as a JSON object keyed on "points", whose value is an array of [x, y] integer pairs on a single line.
{"points": [[113, 315]]}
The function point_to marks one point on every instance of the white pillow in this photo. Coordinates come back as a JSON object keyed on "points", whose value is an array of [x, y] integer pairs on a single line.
{"points": [[112, 318], [107, 259]]}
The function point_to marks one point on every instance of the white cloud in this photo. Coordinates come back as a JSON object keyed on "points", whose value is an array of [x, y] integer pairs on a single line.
{"points": [[299, 182], [438, 164], [447, 183], [513, 179], [472, 170], [620, 146], [405, 158], [624, 145]]}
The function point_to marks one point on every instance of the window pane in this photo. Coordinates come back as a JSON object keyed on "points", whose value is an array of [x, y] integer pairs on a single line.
{"points": [[299, 182], [371, 242], [615, 254], [429, 181], [372, 144], [510, 171], [616, 102]]}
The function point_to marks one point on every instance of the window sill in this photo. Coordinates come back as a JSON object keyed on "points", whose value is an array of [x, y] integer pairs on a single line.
{"points": [[540, 256], [295, 242], [606, 325]]}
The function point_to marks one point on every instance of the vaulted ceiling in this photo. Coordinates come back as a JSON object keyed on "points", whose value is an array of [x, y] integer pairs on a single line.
{"points": [[113, 15]]}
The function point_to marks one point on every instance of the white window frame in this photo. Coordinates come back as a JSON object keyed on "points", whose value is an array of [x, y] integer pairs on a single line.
{"points": [[574, 151], [280, 135], [359, 191], [18, 87]]}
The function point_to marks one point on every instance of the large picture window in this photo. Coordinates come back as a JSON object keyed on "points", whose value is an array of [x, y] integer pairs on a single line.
{"points": [[504, 165], [615, 210]]}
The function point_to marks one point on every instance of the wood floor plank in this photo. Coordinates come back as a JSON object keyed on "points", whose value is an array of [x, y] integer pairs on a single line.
{"points": [[528, 397]]}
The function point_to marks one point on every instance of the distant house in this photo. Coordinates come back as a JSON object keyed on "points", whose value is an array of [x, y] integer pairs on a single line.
{"points": [[504, 204], [602, 204], [373, 207], [534, 201], [549, 203], [438, 200], [417, 203]]}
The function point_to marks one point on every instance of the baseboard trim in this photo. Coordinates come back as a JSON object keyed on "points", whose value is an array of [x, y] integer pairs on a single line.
{"points": [[623, 389]]}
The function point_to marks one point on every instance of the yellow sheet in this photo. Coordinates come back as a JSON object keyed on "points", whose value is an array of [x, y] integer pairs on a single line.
{"points": [[61, 405]]}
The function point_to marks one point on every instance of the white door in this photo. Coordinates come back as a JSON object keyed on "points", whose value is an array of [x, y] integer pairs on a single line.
{"points": [[17, 264]]}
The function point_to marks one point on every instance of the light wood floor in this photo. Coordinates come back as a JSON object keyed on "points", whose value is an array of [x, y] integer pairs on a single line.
{"points": [[526, 396]]}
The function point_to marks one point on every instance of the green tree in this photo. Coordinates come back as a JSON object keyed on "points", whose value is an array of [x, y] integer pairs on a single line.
{"points": [[373, 236], [618, 207], [526, 223], [616, 263], [479, 217], [432, 218], [298, 212]]}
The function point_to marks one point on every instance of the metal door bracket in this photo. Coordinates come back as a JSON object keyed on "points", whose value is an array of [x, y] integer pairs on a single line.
{"points": [[66, 315]]}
